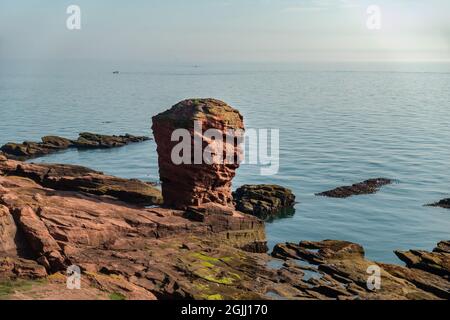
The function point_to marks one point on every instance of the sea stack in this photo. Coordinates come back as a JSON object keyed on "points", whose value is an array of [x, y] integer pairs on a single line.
{"points": [[195, 182]]}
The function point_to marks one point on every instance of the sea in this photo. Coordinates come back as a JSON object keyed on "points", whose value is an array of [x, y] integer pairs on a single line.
{"points": [[339, 123]]}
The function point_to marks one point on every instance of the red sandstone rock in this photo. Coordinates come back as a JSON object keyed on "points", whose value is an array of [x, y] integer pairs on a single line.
{"points": [[136, 253], [77, 178], [185, 184], [101, 235]]}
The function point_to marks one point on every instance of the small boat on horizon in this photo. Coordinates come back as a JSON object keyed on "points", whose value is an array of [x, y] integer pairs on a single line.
{"points": [[116, 72]]}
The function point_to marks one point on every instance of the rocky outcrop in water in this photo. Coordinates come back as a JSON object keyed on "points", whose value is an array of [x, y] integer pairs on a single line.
{"points": [[366, 187], [190, 184], [50, 144], [264, 200], [77, 178], [444, 203]]}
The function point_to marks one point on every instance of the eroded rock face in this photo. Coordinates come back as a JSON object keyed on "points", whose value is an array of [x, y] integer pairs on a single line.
{"points": [[366, 187], [264, 200], [50, 144], [190, 184]]}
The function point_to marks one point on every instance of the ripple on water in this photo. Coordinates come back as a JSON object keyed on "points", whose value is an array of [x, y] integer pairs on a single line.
{"points": [[336, 128]]}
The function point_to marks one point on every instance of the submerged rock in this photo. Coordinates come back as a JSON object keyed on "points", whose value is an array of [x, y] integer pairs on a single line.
{"points": [[222, 218], [444, 203], [190, 184], [50, 144], [366, 187], [264, 200]]}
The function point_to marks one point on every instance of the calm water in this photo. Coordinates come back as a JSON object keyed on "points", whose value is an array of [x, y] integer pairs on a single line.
{"points": [[339, 124]]}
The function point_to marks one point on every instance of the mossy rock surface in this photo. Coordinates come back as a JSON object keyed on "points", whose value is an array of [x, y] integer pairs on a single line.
{"points": [[116, 296], [9, 287]]}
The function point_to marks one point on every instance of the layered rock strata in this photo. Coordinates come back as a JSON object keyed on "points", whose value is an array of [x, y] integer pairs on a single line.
{"points": [[195, 181], [78, 178]]}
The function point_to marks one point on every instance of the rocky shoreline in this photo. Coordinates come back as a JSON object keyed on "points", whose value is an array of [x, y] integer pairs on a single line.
{"points": [[51, 144], [193, 240], [204, 252]]}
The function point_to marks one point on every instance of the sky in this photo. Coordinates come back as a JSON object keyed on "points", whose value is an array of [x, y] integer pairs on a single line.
{"points": [[197, 31]]}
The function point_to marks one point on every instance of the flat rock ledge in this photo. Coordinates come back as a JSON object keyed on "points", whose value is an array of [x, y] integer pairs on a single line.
{"points": [[263, 201], [444, 203], [366, 187], [51, 144], [77, 178]]}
